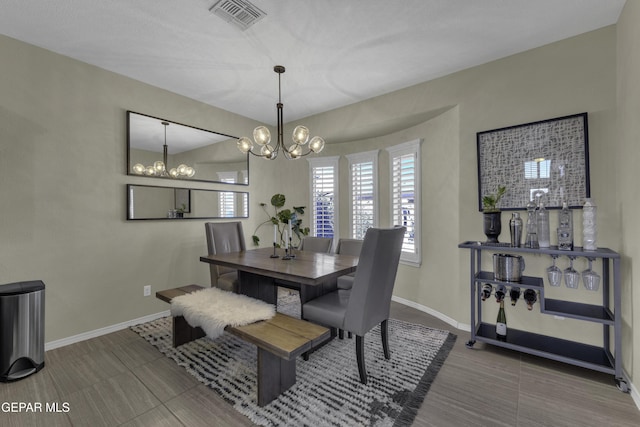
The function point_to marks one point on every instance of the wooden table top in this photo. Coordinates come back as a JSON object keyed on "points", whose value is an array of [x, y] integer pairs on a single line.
{"points": [[309, 268]]}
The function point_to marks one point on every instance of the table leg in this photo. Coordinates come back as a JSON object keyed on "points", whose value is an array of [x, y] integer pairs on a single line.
{"points": [[275, 376], [257, 286]]}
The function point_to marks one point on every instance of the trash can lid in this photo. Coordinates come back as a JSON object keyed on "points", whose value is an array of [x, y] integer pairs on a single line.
{"points": [[21, 287]]}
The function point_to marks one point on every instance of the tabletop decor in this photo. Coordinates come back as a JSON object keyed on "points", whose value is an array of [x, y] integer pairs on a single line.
{"points": [[286, 223], [328, 389], [551, 156]]}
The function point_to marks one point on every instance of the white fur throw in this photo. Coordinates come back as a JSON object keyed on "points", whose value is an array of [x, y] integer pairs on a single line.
{"points": [[212, 309]]}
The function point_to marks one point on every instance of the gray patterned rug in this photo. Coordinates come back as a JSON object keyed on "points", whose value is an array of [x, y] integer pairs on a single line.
{"points": [[328, 391]]}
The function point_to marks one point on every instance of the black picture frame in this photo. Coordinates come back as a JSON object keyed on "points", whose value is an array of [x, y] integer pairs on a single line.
{"points": [[547, 159]]}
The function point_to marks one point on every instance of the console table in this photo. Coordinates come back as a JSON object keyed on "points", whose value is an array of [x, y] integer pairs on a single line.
{"points": [[608, 314]]}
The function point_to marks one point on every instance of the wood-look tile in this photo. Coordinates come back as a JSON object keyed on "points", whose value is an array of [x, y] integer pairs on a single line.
{"points": [[118, 379], [102, 342], [159, 416], [202, 407], [111, 402], [136, 352], [165, 379], [83, 371], [568, 397]]}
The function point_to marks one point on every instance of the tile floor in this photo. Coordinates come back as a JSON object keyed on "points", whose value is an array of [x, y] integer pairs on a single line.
{"points": [[120, 379]]}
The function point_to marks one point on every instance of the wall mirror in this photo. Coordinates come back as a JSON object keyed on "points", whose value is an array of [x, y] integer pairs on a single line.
{"points": [[186, 152], [150, 202], [546, 160]]}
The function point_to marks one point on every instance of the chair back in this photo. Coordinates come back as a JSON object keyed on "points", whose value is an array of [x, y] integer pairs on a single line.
{"points": [[349, 247], [316, 244], [370, 299], [223, 237]]}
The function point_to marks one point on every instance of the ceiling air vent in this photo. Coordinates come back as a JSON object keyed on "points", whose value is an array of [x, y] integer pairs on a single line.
{"points": [[241, 13]]}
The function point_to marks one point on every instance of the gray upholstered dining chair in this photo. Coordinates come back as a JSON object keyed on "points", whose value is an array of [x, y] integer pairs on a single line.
{"points": [[348, 247], [224, 237], [316, 244], [368, 303]]}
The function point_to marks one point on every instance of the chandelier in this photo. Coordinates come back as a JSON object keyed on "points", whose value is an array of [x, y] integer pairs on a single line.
{"points": [[159, 167], [262, 136]]}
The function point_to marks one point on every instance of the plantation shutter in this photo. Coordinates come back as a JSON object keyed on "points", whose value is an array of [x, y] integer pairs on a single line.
{"points": [[362, 198], [405, 197], [323, 195]]}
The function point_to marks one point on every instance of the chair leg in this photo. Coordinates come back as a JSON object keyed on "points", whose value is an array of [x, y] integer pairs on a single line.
{"points": [[340, 334], [384, 331], [349, 335], [360, 356]]}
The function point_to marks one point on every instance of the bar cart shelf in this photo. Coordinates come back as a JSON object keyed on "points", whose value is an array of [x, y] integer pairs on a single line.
{"points": [[598, 358]]}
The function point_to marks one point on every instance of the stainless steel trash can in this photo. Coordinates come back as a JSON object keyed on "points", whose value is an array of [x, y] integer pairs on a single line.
{"points": [[21, 329]]}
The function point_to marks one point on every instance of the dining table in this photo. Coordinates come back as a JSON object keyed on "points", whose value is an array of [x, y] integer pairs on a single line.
{"points": [[259, 271]]}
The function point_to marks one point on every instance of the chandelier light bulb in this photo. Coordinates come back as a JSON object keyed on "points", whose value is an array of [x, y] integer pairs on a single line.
{"points": [[317, 144], [261, 135], [244, 145], [159, 166], [150, 171], [138, 168], [182, 169], [295, 151], [173, 173], [267, 151], [300, 135], [190, 172]]}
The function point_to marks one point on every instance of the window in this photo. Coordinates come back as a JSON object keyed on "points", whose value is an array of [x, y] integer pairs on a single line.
{"points": [[404, 161], [229, 204], [324, 196], [363, 182]]}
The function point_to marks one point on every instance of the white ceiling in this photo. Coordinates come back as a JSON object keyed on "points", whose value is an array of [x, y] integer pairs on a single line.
{"points": [[336, 52]]}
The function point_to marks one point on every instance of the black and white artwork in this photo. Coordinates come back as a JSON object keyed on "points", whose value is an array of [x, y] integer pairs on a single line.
{"points": [[544, 161]]}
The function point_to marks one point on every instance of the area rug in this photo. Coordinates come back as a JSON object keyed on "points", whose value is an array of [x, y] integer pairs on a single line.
{"points": [[328, 391]]}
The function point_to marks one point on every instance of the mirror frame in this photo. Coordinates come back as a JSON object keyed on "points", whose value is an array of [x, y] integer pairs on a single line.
{"points": [[129, 206], [195, 179]]}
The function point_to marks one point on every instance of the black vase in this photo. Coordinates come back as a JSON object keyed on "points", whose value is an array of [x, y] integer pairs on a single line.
{"points": [[492, 226]]}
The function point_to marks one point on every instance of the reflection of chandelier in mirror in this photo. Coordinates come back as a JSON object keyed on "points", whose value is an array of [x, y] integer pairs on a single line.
{"points": [[262, 136], [159, 167]]}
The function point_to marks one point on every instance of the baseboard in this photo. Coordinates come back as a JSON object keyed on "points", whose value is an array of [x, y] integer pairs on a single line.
{"points": [[103, 331], [461, 326]]}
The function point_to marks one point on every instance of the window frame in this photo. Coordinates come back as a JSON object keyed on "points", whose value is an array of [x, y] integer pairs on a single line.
{"points": [[408, 148]]}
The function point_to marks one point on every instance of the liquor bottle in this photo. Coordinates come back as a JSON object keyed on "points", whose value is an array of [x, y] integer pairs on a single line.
{"points": [[532, 229], [542, 223], [501, 323], [565, 228], [589, 226], [486, 291], [530, 296], [514, 294], [501, 291]]}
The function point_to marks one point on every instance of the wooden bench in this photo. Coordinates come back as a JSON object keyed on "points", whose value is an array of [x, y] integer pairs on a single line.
{"points": [[280, 340]]}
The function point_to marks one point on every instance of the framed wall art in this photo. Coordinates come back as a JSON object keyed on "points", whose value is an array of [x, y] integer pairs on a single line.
{"points": [[544, 161]]}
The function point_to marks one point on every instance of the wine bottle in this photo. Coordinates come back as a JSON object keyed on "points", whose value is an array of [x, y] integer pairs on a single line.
{"points": [[501, 323], [514, 293], [501, 291], [486, 291], [530, 296]]}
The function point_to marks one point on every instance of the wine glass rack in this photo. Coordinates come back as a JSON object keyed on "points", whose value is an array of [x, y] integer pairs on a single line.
{"points": [[600, 358]]}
